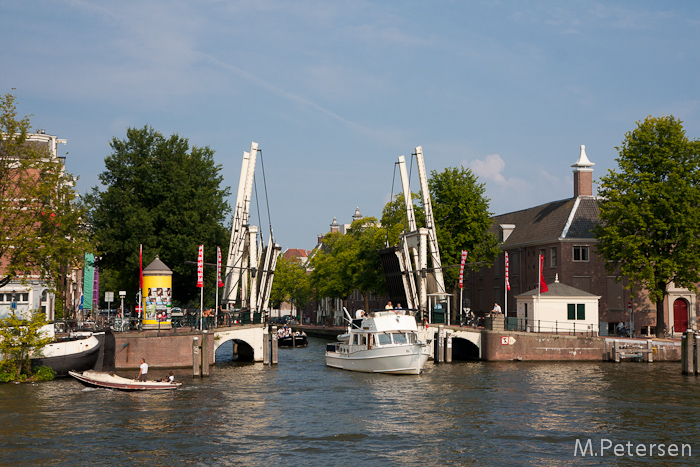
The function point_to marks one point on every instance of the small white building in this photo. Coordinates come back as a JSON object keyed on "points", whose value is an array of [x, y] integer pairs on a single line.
{"points": [[561, 309]]}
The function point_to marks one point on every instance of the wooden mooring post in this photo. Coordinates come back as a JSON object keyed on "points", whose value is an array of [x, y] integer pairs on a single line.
{"points": [[196, 357], [448, 347], [689, 353], [440, 345], [205, 354], [273, 359], [266, 349]]}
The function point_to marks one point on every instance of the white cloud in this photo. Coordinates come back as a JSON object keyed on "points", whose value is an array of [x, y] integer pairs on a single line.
{"points": [[490, 168]]}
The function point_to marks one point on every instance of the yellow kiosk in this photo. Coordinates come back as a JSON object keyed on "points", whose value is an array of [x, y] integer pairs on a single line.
{"points": [[158, 295]]}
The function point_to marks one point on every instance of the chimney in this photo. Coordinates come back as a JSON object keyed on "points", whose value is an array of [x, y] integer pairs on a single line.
{"points": [[583, 175]]}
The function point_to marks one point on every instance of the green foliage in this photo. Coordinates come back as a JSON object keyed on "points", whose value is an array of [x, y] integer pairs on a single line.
{"points": [[329, 277], [292, 284], [44, 373], [350, 262], [650, 221], [19, 337], [395, 220], [166, 196], [462, 219], [42, 219]]}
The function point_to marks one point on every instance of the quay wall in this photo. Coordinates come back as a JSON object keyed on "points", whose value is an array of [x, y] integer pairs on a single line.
{"points": [[511, 345], [161, 350]]}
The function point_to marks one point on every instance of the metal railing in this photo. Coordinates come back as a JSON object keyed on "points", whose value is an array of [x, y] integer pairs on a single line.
{"points": [[567, 327]]}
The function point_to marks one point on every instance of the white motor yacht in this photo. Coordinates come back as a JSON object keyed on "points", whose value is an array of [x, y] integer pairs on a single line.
{"points": [[384, 342]]}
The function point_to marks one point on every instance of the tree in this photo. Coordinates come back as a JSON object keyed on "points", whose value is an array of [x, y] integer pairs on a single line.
{"points": [[462, 219], [165, 196], [364, 265], [395, 220], [18, 338], [330, 276], [292, 284], [649, 227], [41, 228]]}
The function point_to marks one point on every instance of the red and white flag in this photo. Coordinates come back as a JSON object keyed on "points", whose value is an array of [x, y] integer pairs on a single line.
{"points": [[543, 284], [507, 281], [461, 268], [141, 267], [218, 267], [200, 267]]}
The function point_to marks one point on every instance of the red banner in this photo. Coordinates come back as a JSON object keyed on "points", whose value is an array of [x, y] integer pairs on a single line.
{"points": [[218, 267], [543, 284], [461, 268], [141, 267], [507, 281], [200, 267]]}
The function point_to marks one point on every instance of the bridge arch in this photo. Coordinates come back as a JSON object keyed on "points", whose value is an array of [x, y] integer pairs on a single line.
{"points": [[244, 343], [466, 345]]}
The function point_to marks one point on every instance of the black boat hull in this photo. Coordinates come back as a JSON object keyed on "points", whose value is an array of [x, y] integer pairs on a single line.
{"points": [[299, 341]]}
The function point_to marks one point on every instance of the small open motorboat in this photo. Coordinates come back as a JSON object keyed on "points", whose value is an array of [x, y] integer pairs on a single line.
{"points": [[97, 379]]}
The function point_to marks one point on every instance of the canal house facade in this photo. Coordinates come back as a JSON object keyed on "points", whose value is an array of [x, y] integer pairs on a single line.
{"points": [[562, 232]]}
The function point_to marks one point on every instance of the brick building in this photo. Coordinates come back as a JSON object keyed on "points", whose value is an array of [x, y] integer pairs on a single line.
{"points": [[562, 232]]}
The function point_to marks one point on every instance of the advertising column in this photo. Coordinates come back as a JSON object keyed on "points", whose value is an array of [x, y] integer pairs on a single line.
{"points": [[158, 293]]}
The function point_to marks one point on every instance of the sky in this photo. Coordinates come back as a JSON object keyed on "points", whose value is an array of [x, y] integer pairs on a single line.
{"points": [[335, 91]]}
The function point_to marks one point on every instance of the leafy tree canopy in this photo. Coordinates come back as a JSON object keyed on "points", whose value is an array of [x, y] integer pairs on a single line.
{"points": [[650, 221], [292, 283], [462, 219], [41, 228], [166, 196], [395, 219]]}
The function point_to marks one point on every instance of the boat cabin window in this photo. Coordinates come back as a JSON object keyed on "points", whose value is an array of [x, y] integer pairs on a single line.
{"points": [[399, 338], [384, 339], [412, 338], [360, 339]]}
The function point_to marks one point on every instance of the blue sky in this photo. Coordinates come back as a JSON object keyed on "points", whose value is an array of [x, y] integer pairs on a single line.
{"points": [[333, 92]]}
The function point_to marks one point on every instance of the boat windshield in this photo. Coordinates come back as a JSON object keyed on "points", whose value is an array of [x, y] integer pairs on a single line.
{"points": [[384, 339], [399, 338]]}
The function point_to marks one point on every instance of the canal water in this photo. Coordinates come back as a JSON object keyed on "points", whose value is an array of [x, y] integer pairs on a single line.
{"points": [[302, 413]]}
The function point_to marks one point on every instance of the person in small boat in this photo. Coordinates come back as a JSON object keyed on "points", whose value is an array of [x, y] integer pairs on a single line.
{"points": [[398, 309], [171, 377], [143, 370], [389, 306]]}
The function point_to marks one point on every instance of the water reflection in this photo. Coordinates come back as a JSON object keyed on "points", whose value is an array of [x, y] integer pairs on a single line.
{"points": [[301, 412]]}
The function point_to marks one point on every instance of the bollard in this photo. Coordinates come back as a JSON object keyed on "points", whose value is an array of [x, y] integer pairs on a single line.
{"points": [[440, 344], [273, 360], [196, 358], [448, 348], [266, 349], [687, 352], [205, 354]]}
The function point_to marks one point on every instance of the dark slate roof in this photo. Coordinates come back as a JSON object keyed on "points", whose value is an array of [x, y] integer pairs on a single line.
{"points": [[549, 222], [557, 289]]}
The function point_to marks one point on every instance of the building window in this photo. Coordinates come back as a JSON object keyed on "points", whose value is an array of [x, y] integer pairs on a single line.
{"points": [[576, 311], [580, 253], [553, 257]]}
